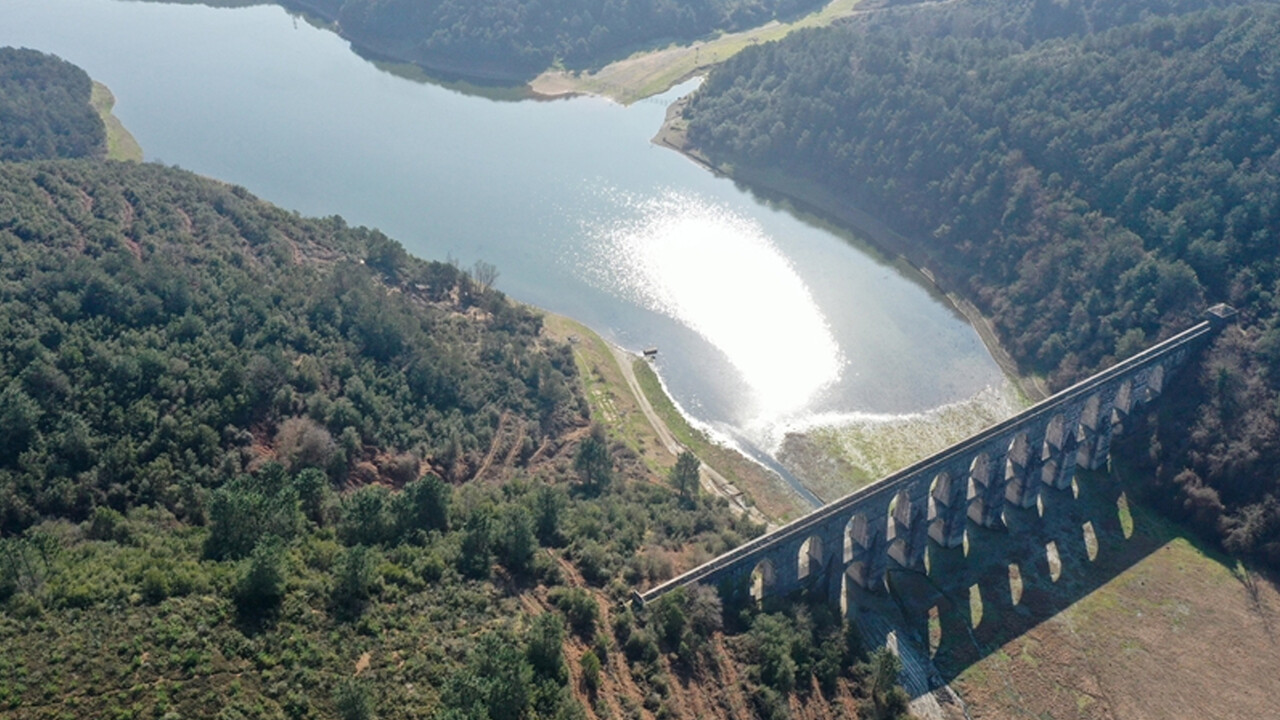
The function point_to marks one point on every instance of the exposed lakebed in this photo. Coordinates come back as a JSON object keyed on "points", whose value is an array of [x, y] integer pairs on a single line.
{"points": [[767, 322]]}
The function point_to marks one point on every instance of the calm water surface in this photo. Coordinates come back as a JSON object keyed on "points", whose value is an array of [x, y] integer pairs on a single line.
{"points": [[765, 322]]}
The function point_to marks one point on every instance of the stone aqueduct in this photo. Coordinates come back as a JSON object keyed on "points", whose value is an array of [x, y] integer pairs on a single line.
{"points": [[889, 523]]}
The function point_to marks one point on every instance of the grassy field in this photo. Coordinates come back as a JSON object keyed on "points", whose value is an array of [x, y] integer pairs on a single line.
{"points": [[1104, 610], [766, 490], [651, 72], [607, 392], [611, 400], [834, 461], [120, 143]]}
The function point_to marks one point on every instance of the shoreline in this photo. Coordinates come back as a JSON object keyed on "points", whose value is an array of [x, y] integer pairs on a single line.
{"points": [[807, 196], [121, 145], [627, 397], [647, 71]]}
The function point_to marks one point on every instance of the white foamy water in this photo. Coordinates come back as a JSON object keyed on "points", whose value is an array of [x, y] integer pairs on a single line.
{"points": [[723, 277]]}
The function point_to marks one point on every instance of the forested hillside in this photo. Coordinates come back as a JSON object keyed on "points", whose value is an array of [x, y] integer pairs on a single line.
{"points": [[1091, 174], [158, 333], [44, 108], [237, 453], [520, 38], [258, 465]]}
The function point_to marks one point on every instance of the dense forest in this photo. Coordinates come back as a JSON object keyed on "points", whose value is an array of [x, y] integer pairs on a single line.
{"points": [[1092, 174], [159, 333], [254, 465], [520, 38], [44, 108]]}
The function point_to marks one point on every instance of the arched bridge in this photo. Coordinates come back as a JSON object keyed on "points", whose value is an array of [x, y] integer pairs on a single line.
{"points": [[890, 522]]}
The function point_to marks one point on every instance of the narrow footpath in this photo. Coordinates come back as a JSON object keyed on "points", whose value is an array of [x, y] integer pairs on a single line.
{"points": [[711, 480]]}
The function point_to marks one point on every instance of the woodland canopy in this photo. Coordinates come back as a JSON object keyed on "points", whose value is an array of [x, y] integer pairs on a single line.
{"points": [[1091, 174]]}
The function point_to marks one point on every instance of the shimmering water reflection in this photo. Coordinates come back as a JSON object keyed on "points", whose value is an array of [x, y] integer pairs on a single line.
{"points": [[718, 273]]}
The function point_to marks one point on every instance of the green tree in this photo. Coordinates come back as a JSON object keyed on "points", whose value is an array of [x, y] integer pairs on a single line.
{"points": [[354, 579], [772, 638], [515, 540], [888, 701], [353, 700], [669, 618], [314, 494], [262, 583], [684, 475], [545, 646], [504, 675], [476, 558], [590, 671], [548, 504], [593, 462], [366, 517], [423, 505]]}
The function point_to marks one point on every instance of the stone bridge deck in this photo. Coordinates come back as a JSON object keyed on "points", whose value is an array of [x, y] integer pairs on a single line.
{"points": [[893, 519]]}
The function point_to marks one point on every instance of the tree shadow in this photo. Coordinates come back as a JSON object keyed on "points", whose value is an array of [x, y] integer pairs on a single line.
{"points": [[973, 600]]}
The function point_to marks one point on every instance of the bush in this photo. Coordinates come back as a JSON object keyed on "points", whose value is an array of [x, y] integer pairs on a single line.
{"points": [[590, 671], [155, 585], [353, 700], [579, 607]]}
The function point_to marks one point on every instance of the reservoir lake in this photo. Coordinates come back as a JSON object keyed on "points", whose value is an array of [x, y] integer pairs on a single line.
{"points": [[766, 321]]}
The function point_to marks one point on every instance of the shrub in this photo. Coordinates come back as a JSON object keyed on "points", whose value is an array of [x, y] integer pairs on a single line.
{"points": [[353, 700], [155, 585], [579, 607], [591, 671]]}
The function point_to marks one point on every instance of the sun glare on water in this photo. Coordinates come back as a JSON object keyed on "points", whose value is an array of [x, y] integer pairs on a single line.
{"points": [[722, 276]]}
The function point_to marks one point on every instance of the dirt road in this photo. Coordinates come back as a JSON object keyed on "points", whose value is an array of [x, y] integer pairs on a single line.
{"points": [[711, 480]]}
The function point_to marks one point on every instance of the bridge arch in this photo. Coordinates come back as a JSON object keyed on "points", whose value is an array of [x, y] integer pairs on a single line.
{"points": [[984, 500], [763, 578], [945, 516], [939, 497], [810, 559]]}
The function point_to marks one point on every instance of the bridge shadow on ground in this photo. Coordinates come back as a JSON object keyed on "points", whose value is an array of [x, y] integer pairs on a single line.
{"points": [[973, 600]]}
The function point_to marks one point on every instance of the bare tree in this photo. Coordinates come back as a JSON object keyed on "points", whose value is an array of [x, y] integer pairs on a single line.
{"points": [[485, 274]]}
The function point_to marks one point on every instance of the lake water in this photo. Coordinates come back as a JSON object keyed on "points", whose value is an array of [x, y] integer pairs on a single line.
{"points": [[765, 321]]}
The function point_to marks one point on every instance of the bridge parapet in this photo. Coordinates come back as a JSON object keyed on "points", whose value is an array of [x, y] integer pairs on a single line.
{"points": [[890, 522]]}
